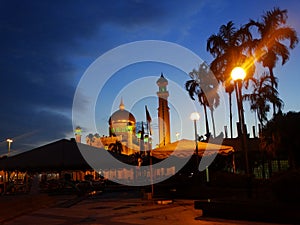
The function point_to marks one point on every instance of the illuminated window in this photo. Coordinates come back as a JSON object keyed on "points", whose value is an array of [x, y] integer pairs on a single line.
{"points": [[146, 139], [129, 128], [162, 89]]}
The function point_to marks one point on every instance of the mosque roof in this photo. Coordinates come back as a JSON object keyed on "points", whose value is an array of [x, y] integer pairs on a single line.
{"points": [[121, 115]]}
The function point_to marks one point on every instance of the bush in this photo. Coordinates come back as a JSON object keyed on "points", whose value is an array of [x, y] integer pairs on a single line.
{"points": [[230, 180], [286, 186]]}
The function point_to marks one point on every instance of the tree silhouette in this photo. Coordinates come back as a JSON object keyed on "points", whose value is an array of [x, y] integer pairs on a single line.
{"points": [[204, 85], [280, 136], [263, 92], [270, 46], [230, 47]]}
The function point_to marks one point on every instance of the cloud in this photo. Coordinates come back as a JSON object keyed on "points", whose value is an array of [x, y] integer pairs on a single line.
{"points": [[37, 40], [47, 45]]}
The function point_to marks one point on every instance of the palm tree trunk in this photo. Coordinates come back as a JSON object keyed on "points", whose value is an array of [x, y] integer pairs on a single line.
{"points": [[273, 84], [213, 121], [206, 121], [261, 122], [230, 113], [239, 114]]}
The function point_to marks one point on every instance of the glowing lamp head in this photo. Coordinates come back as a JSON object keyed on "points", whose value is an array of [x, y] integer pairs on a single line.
{"points": [[238, 73], [195, 116], [9, 140]]}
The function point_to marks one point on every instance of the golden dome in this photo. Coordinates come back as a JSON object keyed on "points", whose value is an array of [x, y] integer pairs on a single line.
{"points": [[122, 116]]}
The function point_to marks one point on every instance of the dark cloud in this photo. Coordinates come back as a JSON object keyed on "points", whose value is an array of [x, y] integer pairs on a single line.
{"points": [[38, 39]]}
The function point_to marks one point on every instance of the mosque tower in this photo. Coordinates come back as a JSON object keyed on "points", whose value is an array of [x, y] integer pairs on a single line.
{"points": [[163, 111], [78, 131]]}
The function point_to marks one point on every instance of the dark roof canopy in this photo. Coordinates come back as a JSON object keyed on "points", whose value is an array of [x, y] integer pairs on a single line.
{"points": [[65, 154], [56, 156]]}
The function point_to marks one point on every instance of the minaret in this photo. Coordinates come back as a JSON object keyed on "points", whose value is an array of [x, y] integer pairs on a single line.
{"points": [[163, 111], [78, 131]]}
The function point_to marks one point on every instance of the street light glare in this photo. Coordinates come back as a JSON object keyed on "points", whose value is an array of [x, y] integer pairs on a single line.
{"points": [[9, 140], [238, 73], [195, 116]]}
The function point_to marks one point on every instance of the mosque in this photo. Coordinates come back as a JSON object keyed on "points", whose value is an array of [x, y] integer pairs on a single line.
{"points": [[125, 137], [123, 127]]}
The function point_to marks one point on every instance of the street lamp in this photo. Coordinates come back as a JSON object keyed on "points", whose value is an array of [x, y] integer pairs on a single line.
{"points": [[9, 141], [238, 74], [195, 116]]}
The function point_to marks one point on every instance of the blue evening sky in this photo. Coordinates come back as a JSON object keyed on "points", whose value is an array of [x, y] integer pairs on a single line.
{"points": [[47, 46]]}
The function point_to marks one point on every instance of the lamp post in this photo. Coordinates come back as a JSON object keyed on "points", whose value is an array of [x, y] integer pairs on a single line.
{"points": [[9, 141], [195, 116], [238, 74], [177, 135]]}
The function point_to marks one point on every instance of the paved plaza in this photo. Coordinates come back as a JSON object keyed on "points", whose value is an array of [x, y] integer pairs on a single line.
{"points": [[121, 209]]}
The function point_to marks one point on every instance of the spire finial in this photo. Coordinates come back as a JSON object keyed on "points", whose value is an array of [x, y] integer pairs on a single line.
{"points": [[122, 106]]}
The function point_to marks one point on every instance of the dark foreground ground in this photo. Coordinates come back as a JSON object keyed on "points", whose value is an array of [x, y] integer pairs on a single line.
{"points": [[125, 207]]}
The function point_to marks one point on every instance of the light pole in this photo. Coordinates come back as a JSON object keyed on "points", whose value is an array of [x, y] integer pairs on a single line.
{"points": [[177, 135], [9, 141], [196, 116], [6, 176], [238, 74]]}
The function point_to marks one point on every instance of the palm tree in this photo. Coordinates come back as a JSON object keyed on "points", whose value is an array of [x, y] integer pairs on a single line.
{"points": [[204, 85], [230, 47], [209, 85], [263, 92], [270, 46], [194, 89]]}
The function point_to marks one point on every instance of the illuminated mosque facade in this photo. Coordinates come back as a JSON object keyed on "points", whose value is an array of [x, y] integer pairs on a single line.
{"points": [[123, 127]]}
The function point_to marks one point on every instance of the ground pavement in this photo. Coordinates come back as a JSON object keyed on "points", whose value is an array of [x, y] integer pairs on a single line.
{"points": [[118, 209]]}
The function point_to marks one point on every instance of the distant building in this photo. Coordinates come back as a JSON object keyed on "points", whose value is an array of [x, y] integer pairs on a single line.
{"points": [[78, 131]]}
